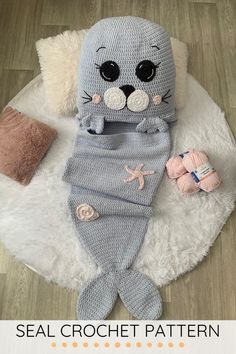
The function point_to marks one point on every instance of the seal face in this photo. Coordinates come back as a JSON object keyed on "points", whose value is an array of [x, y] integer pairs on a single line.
{"points": [[128, 63]]}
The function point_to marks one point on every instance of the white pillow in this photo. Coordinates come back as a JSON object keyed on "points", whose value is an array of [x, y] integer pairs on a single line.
{"points": [[59, 58]]}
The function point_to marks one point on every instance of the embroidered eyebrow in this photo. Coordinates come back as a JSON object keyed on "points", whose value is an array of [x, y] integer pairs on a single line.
{"points": [[155, 46], [100, 48]]}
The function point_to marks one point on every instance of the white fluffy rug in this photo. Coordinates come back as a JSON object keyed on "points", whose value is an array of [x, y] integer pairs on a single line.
{"points": [[35, 224]]}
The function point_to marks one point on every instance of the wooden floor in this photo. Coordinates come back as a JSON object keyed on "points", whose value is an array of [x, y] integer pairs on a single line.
{"points": [[209, 29]]}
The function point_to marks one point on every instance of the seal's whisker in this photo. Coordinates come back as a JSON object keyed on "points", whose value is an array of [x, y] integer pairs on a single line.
{"points": [[87, 94], [86, 98], [166, 94]]}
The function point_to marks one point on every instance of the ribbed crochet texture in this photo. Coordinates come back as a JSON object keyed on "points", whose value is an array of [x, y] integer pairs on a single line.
{"points": [[97, 172]]}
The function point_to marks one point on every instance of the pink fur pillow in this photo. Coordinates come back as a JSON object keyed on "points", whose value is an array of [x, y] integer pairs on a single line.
{"points": [[23, 143]]}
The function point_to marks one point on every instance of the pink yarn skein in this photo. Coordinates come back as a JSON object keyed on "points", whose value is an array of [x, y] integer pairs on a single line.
{"points": [[175, 167], [186, 184], [196, 162], [192, 172]]}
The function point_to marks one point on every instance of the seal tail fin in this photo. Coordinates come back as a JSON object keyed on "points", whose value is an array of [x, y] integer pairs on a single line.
{"points": [[136, 290], [140, 295], [97, 298]]}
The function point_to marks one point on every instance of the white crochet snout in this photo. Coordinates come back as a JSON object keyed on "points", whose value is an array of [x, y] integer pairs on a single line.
{"points": [[115, 98], [138, 101]]}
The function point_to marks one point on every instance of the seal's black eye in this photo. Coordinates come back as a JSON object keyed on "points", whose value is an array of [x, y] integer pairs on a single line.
{"points": [[109, 71], [146, 70]]}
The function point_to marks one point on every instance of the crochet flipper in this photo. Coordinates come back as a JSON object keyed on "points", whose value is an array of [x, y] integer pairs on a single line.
{"points": [[138, 293]]}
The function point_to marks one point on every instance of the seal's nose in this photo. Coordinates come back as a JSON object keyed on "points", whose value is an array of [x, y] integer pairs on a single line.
{"points": [[127, 89]]}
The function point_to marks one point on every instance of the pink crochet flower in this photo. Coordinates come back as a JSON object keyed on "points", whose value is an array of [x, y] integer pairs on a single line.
{"points": [[86, 212]]}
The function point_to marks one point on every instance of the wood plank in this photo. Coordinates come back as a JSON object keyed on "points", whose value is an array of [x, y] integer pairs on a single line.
{"points": [[206, 62], [168, 17], [4, 259], [21, 287], [184, 23], [2, 290], [54, 302], [77, 15], [12, 81], [227, 23]]}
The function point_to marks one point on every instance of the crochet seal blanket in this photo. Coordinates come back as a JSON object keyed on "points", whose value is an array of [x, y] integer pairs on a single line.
{"points": [[125, 104]]}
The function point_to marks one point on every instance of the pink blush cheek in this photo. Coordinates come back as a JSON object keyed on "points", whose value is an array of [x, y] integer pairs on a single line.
{"points": [[157, 100], [96, 99]]}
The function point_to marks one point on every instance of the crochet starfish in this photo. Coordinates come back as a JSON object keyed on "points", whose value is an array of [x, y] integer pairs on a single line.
{"points": [[138, 174]]}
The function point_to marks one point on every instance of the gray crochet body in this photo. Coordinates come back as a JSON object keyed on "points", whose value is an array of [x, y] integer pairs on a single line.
{"points": [[127, 70]]}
